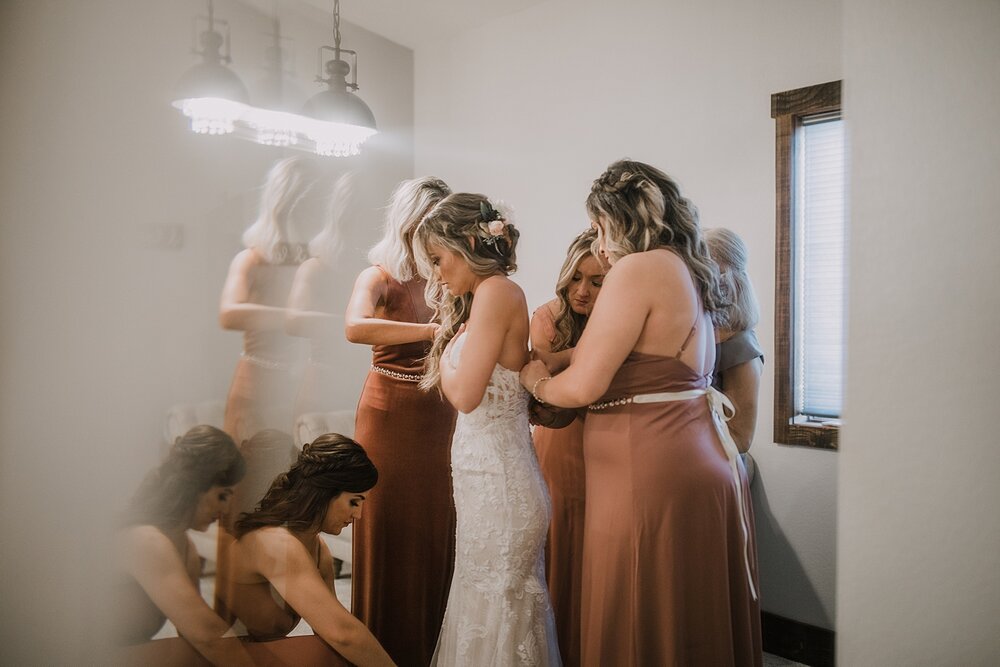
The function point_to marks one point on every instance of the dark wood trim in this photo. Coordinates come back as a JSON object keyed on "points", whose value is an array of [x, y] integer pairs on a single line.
{"points": [[787, 109], [798, 641], [809, 100]]}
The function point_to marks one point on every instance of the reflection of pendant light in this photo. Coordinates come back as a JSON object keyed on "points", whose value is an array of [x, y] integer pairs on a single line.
{"points": [[341, 121], [211, 94], [276, 93]]}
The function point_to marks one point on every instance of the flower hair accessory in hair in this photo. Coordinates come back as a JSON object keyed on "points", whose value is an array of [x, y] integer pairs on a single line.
{"points": [[495, 219]]}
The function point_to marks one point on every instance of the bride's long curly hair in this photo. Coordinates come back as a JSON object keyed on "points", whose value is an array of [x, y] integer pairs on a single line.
{"points": [[642, 209], [457, 224]]}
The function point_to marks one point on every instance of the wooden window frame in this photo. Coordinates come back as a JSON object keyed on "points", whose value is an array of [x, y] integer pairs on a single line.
{"points": [[787, 109]]}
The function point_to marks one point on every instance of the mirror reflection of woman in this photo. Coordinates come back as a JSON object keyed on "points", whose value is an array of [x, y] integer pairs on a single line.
{"points": [[403, 550], [254, 298], [253, 301], [280, 571], [189, 490], [316, 306], [556, 328], [498, 607], [670, 566]]}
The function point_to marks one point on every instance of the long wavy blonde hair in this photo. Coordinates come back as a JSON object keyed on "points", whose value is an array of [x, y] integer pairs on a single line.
{"points": [[328, 244], [410, 201], [568, 323], [642, 209], [457, 224], [741, 313], [286, 184]]}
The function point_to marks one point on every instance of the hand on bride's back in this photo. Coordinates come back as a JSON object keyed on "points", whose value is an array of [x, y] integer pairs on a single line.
{"points": [[532, 372]]}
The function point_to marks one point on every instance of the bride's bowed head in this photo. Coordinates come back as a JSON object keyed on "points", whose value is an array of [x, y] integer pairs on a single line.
{"points": [[461, 242]]}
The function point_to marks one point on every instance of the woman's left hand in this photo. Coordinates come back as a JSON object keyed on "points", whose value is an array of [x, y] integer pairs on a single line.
{"points": [[532, 372]]}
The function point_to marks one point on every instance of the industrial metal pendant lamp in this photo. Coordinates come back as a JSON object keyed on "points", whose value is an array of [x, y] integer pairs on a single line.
{"points": [[342, 122], [211, 94], [335, 122]]}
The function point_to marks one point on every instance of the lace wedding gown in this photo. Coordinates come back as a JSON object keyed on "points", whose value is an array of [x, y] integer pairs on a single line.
{"points": [[498, 611]]}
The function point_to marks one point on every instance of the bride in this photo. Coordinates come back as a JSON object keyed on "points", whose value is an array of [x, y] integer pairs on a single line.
{"points": [[498, 609]]}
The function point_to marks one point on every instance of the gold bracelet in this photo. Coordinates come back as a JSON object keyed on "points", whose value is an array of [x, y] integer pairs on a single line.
{"points": [[534, 387]]}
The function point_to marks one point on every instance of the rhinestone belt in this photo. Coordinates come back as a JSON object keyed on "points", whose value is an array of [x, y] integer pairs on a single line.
{"points": [[405, 377]]}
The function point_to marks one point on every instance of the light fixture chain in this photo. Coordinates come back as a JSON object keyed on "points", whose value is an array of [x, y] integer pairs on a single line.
{"points": [[336, 26]]}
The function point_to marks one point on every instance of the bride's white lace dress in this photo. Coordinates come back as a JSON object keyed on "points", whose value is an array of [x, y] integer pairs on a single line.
{"points": [[498, 610]]}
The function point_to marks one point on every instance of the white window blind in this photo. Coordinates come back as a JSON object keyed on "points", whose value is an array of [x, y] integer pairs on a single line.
{"points": [[818, 243]]}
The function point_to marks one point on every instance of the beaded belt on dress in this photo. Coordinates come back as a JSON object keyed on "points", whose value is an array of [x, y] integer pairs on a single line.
{"points": [[266, 363], [722, 411], [406, 377]]}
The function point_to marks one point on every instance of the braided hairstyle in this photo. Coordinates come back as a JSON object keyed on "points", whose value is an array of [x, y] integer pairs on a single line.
{"points": [[484, 237], [642, 209], [298, 499], [200, 459]]}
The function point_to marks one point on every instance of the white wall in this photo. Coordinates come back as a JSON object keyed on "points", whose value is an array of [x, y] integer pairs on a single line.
{"points": [[101, 331], [919, 533], [531, 108]]}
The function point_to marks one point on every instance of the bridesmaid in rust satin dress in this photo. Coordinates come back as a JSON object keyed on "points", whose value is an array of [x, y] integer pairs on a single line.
{"points": [[555, 329], [669, 563], [404, 542]]}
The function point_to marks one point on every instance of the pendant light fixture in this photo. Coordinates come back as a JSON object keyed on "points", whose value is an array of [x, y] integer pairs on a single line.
{"points": [[338, 122], [211, 94], [335, 122]]}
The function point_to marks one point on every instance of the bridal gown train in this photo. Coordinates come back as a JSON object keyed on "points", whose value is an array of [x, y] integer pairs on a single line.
{"points": [[498, 611]]}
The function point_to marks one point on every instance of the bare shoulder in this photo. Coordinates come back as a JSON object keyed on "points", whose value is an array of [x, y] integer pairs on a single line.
{"points": [[246, 259], [545, 315], [311, 267], [501, 291], [372, 279], [145, 539], [657, 268], [550, 308]]}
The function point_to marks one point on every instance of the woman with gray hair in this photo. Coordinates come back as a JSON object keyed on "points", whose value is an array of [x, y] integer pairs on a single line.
{"points": [[402, 548], [739, 359]]}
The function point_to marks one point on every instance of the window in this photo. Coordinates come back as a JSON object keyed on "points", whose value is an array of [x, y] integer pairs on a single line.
{"points": [[810, 265]]}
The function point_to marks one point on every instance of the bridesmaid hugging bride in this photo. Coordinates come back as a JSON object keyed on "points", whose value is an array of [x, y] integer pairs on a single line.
{"points": [[498, 610]]}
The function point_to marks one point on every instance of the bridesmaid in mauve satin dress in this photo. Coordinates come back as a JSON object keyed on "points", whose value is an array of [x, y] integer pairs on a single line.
{"points": [[555, 329], [669, 557]]}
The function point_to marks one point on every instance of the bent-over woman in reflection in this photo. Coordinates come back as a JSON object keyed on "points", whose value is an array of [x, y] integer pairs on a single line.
{"points": [[189, 490], [556, 328], [280, 570]]}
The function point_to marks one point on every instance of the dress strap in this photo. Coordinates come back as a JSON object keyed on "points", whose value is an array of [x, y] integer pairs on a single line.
{"points": [[688, 339]]}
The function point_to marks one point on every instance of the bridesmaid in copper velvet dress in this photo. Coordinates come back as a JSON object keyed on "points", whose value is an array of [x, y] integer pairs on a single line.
{"points": [[669, 563], [403, 545], [555, 329]]}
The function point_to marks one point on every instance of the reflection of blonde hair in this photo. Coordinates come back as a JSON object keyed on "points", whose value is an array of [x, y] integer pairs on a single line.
{"points": [[329, 242], [287, 182], [410, 201], [569, 324], [730, 253], [456, 224], [642, 209]]}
